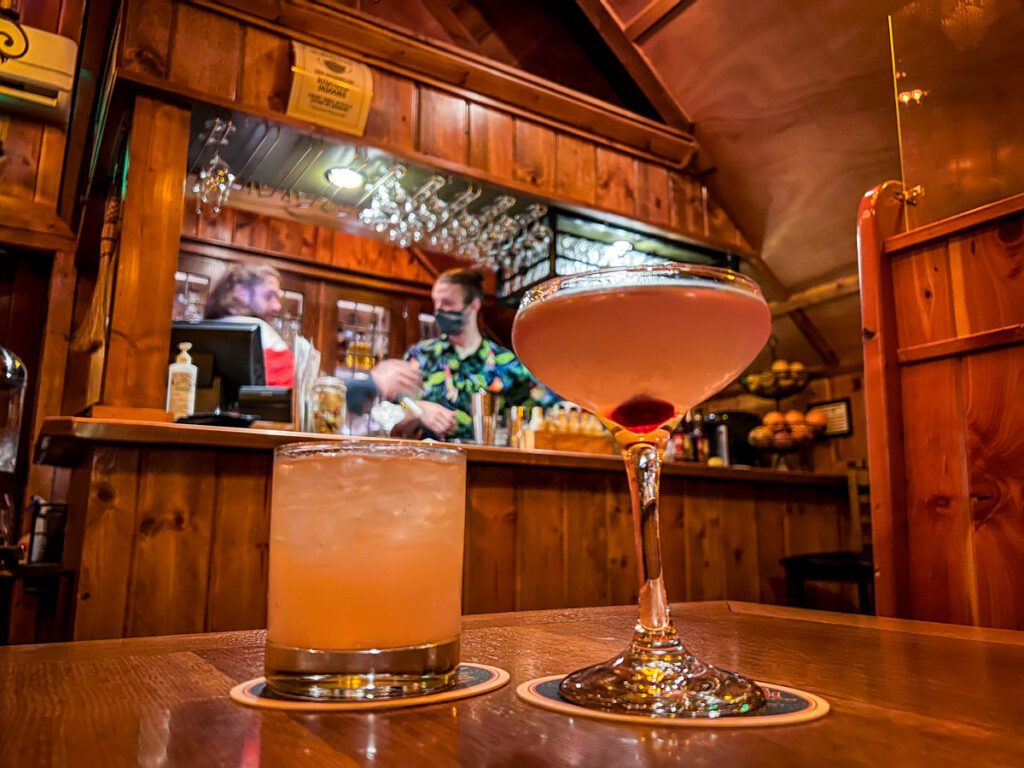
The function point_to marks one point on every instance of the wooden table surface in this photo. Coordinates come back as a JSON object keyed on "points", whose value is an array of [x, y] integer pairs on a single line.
{"points": [[902, 693]]}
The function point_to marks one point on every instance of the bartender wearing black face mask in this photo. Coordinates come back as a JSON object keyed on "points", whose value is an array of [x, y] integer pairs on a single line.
{"points": [[461, 362]]}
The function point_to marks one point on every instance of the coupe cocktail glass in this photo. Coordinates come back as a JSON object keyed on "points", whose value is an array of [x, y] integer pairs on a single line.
{"points": [[638, 347], [365, 587]]}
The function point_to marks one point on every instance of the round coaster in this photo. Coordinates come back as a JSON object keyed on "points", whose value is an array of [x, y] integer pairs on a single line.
{"points": [[474, 679], [785, 706]]}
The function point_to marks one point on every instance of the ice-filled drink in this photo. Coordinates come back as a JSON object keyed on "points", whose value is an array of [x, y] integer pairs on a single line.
{"points": [[365, 584]]}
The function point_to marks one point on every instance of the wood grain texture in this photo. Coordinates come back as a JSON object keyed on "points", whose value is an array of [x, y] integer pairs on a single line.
{"points": [[53, 358], [147, 37], [540, 532], [576, 176], [937, 489], [446, 133], [585, 539], [140, 330], [622, 573], [923, 293], [409, 54], [167, 696], [170, 568], [536, 534], [987, 276], [237, 593], [212, 65], [955, 296], [265, 70], [393, 114], [771, 513], [686, 206], [535, 155], [993, 390], [491, 522], [672, 513], [105, 556], [655, 195], [243, 62], [492, 141], [616, 181], [878, 216], [20, 163], [721, 559]]}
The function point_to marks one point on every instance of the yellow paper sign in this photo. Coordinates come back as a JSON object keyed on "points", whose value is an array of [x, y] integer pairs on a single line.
{"points": [[330, 90]]}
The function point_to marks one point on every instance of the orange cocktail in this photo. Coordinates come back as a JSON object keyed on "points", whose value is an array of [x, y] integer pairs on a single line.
{"points": [[365, 579]]}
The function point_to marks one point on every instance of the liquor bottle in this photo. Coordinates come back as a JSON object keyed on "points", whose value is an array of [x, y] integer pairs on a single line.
{"points": [[699, 438]]}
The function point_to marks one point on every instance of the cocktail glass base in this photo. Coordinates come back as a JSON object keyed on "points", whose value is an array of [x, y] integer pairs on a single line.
{"points": [[379, 673], [661, 678]]}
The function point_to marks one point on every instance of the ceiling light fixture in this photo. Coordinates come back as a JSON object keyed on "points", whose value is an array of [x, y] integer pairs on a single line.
{"points": [[346, 178]]}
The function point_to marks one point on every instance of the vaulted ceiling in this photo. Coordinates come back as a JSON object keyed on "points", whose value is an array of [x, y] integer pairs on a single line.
{"points": [[791, 101]]}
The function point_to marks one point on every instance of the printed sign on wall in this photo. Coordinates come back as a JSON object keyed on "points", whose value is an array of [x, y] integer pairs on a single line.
{"points": [[330, 90]]}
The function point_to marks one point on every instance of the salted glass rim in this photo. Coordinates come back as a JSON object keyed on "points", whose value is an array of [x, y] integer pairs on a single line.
{"points": [[637, 277], [375, 448]]}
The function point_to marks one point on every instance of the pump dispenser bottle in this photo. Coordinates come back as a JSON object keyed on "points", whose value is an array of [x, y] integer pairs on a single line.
{"points": [[181, 384]]}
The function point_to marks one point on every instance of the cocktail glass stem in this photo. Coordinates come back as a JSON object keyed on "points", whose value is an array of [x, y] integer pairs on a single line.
{"points": [[643, 467], [656, 675]]}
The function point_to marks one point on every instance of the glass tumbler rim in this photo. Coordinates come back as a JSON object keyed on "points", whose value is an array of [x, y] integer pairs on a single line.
{"points": [[639, 276], [372, 447]]}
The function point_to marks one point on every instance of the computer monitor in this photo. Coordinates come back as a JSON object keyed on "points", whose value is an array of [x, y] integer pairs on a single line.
{"points": [[228, 356]]}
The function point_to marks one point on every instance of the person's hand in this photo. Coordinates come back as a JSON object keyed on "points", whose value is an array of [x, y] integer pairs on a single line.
{"points": [[436, 418], [396, 377]]}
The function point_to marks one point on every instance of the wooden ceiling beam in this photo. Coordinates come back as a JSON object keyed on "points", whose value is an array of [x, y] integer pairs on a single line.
{"points": [[452, 24], [635, 62], [774, 288], [654, 15], [848, 285]]}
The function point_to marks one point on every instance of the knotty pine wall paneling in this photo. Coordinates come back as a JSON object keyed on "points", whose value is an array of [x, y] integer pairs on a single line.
{"points": [[174, 539], [955, 298], [444, 125]]}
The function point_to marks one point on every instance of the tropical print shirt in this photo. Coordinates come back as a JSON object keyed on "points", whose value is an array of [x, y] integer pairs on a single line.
{"points": [[451, 381]]}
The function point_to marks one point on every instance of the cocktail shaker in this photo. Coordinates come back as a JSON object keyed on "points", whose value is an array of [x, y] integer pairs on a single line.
{"points": [[482, 413]]}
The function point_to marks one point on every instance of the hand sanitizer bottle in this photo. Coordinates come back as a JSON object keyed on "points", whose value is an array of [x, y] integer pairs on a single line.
{"points": [[181, 384]]}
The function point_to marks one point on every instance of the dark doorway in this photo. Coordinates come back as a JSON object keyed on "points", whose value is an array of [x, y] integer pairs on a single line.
{"points": [[24, 283]]}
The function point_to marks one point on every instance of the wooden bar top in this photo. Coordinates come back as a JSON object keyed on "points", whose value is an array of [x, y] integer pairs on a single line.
{"points": [[902, 693], [63, 441]]}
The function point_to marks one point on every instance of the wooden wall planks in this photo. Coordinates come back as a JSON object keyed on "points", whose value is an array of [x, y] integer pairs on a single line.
{"points": [[33, 156], [428, 121], [993, 390], [105, 517], [957, 435], [176, 538], [921, 281]]}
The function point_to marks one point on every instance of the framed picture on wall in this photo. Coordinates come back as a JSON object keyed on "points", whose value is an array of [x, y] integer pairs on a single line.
{"points": [[839, 423]]}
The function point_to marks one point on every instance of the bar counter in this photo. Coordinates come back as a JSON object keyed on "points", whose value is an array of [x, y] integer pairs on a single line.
{"points": [[168, 527], [901, 693]]}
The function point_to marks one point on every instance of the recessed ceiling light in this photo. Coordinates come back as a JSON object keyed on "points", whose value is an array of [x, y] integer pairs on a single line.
{"points": [[346, 178]]}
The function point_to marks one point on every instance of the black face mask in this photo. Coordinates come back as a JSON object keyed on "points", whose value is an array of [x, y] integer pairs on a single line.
{"points": [[451, 323]]}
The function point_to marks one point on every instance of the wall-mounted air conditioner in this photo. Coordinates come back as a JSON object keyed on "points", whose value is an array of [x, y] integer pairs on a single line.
{"points": [[39, 84]]}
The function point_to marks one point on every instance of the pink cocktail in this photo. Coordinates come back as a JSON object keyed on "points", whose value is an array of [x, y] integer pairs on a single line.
{"points": [[638, 347]]}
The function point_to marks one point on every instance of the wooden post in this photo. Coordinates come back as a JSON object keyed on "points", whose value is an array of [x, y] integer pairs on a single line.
{"points": [[140, 323], [52, 360], [877, 219]]}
